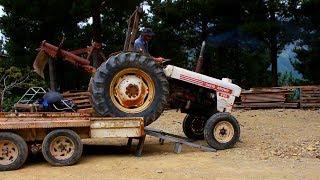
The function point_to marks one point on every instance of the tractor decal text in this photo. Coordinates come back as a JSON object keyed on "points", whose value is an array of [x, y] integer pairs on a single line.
{"points": [[204, 84]]}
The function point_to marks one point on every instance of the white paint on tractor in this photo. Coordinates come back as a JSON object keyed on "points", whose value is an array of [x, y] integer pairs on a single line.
{"points": [[226, 91]]}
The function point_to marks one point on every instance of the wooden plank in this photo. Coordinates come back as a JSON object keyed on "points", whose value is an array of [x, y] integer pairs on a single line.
{"points": [[69, 94], [84, 106], [82, 101], [270, 105], [310, 105]]}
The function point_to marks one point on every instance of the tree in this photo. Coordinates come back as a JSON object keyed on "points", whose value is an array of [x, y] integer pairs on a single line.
{"points": [[1, 45], [308, 54], [10, 78], [26, 28]]}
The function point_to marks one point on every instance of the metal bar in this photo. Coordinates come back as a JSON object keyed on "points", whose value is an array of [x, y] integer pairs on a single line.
{"points": [[135, 26], [52, 75], [200, 59], [140, 146]]}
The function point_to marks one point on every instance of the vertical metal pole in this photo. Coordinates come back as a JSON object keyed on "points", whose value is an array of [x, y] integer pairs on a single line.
{"points": [[52, 75], [200, 60]]}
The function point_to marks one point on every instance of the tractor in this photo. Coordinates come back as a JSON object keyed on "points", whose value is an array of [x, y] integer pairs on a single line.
{"points": [[131, 84]]}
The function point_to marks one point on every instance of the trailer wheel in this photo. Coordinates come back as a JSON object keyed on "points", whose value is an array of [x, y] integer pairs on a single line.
{"points": [[13, 151], [222, 131], [62, 147], [193, 126], [130, 84]]}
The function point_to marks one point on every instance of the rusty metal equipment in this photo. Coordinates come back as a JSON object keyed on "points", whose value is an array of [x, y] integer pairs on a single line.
{"points": [[132, 30], [48, 50]]}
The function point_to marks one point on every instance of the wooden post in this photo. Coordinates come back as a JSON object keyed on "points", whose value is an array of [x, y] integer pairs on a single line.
{"points": [[52, 75]]}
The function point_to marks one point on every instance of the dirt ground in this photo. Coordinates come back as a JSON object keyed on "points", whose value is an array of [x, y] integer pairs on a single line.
{"points": [[275, 144]]}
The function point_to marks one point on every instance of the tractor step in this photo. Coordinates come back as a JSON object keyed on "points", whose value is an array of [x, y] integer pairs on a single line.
{"points": [[177, 140]]}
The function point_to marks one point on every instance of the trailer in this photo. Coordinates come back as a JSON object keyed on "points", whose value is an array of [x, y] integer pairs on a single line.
{"points": [[60, 135]]}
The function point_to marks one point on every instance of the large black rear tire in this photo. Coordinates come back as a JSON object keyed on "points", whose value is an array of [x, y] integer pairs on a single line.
{"points": [[112, 87]]}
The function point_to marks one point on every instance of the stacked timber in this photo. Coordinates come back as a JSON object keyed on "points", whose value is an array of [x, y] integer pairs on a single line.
{"points": [[267, 98], [80, 98], [280, 97], [310, 97]]}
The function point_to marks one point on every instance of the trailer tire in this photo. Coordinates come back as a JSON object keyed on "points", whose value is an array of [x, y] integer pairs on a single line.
{"points": [[222, 131], [62, 147], [193, 126], [16, 151], [130, 85]]}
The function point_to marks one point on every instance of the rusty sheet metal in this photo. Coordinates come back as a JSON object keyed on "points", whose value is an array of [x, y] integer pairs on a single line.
{"points": [[40, 63], [43, 120], [116, 127]]}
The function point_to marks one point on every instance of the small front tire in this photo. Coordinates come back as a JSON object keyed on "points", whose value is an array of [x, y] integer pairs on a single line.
{"points": [[222, 131]]}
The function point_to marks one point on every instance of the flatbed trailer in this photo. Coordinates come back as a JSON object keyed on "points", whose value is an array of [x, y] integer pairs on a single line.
{"points": [[60, 135]]}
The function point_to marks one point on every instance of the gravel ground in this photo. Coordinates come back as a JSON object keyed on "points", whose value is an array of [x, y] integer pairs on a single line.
{"points": [[275, 144]]}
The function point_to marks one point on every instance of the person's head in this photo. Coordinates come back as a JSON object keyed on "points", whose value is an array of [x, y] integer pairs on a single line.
{"points": [[147, 34]]}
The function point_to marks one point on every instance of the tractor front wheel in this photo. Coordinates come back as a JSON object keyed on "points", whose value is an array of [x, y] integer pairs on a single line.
{"points": [[222, 131]]}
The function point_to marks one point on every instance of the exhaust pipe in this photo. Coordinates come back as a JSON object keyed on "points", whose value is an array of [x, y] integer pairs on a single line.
{"points": [[200, 59]]}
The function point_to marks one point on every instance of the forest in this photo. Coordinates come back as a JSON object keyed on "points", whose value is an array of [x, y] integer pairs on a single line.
{"points": [[244, 38]]}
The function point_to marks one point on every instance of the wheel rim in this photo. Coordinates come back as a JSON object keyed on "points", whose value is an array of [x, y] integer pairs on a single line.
{"points": [[8, 152], [62, 148], [197, 125], [132, 90], [223, 131]]}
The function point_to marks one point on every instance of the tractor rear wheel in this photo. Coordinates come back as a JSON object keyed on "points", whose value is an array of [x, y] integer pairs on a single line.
{"points": [[130, 84]]}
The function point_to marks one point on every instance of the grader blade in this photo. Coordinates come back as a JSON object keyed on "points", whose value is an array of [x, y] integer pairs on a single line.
{"points": [[40, 63]]}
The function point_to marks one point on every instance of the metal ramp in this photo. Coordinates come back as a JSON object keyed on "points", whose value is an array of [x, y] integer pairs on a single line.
{"points": [[31, 95], [177, 140], [29, 100]]}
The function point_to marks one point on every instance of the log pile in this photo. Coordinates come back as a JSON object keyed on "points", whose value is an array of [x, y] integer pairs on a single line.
{"points": [[280, 97], [310, 96], [80, 98]]}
